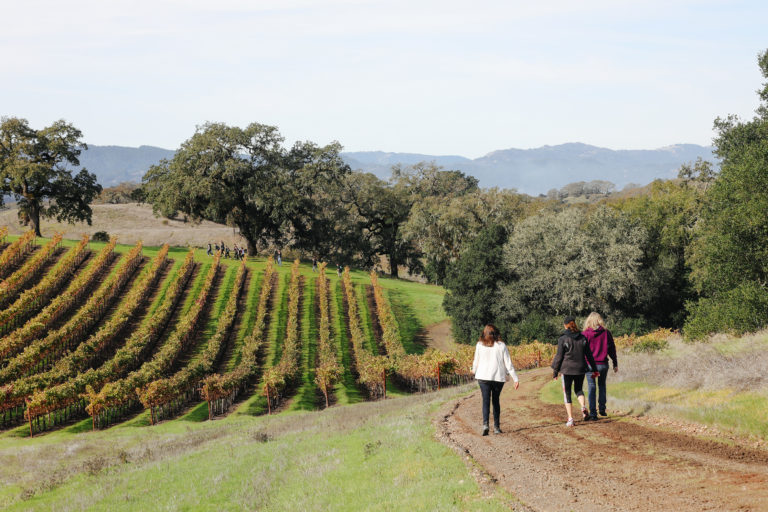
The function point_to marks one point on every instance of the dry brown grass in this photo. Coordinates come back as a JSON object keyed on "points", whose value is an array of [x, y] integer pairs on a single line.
{"points": [[132, 222], [739, 364]]}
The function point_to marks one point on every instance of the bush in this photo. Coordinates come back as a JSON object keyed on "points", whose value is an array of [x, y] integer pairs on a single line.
{"points": [[534, 327], [740, 310], [100, 236], [621, 326], [649, 345]]}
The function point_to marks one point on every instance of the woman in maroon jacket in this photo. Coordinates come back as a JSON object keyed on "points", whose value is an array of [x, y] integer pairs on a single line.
{"points": [[571, 362], [602, 347]]}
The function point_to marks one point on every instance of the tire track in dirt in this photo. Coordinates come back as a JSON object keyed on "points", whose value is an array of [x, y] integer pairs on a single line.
{"points": [[617, 463]]}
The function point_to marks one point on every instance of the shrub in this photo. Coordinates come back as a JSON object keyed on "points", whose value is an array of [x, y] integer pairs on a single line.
{"points": [[100, 236], [536, 326], [651, 342], [621, 326], [740, 310], [649, 345]]}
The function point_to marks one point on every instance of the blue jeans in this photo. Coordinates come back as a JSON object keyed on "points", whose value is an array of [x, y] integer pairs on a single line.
{"points": [[603, 369], [491, 389]]}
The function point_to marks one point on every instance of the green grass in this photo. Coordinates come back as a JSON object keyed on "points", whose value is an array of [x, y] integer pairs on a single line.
{"points": [[407, 321], [373, 456], [175, 265], [281, 324], [256, 404], [226, 288], [248, 317], [306, 395], [726, 409], [346, 390], [366, 318], [424, 300]]}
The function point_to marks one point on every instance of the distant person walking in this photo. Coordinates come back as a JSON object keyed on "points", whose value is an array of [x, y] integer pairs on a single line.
{"points": [[314, 263], [602, 347], [210, 250], [572, 349], [279, 257], [338, 269], [491, 367]]}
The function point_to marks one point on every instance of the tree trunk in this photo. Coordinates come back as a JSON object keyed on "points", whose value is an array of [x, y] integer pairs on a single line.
{"points": [[393, 264], [251, 247], [33, 210]]}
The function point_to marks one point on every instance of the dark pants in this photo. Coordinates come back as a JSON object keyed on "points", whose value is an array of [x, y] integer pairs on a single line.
{"points": [[577, 381], [600, 399], [491, 391]]}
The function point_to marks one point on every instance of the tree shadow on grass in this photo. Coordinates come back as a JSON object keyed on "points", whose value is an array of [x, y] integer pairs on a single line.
{"points": [[412, 332]]}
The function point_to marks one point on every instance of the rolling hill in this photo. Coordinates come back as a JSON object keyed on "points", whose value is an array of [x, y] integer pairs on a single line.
{"points": [[532, 171]]}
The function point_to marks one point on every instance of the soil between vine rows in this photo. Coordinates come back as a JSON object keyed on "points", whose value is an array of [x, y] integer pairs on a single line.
{"points": [[613, 464]]}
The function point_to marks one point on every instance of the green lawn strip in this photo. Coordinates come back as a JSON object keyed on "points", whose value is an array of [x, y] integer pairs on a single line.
{"points": [[281, 324], [306, 394], [248, 317], [256, 404], [366, 318], [426, 300], [226, 286], [194, 288], [346, 389], [373, 456], [173, 269], [552, 392], [407, 321]]}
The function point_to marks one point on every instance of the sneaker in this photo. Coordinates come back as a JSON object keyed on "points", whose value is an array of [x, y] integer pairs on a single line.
{"points": [[569, 423], [584, 413], [497, 430], [485, 430]]}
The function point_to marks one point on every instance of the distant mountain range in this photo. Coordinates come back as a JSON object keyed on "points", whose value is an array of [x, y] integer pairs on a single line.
{"points": [[532, 171]]}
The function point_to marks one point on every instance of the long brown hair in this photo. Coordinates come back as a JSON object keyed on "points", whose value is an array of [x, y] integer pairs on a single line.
{"points": [[571, 326], [490, 335]]}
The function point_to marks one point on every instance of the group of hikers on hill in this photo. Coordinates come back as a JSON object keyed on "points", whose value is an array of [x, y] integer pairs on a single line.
{"points": [[579, 353], [240, 253], [235, 252]]}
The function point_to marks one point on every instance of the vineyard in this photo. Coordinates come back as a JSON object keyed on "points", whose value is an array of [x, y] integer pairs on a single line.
{"points": [[99, 334]]}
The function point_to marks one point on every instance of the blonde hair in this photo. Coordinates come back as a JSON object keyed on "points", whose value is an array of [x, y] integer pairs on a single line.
{"points": [[593, 321]]}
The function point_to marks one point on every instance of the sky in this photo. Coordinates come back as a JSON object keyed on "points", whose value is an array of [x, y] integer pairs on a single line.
{"points": [[435, 77]]}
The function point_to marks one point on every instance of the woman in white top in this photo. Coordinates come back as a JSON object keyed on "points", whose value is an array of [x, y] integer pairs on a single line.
{"points": [[492, 366]]}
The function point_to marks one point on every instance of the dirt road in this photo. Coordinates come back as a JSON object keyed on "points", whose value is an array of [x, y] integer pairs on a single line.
{"points": [[617, 463]]}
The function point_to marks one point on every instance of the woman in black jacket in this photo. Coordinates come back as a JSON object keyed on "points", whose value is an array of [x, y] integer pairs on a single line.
{"points": [[572, 349]]}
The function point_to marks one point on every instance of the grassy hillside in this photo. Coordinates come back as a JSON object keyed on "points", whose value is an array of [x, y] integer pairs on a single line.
{"points": [[372, 456]]}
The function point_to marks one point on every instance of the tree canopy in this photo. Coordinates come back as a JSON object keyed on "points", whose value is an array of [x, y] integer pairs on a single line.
{"points": [[36, 169], [571, 262], [244, 177]]}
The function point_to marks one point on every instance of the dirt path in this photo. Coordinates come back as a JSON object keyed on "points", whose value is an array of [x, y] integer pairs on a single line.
{"points": [[439, 336], [614, 464]]}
